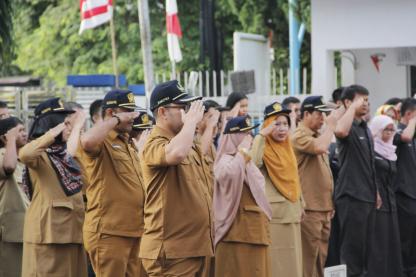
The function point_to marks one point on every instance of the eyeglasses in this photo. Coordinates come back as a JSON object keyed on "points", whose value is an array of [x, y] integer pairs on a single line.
{"points": [[389, 130]]}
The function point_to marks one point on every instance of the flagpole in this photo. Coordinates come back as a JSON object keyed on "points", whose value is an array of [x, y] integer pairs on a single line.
{"points": [[146, 45], [114, 50], [173, 73]]}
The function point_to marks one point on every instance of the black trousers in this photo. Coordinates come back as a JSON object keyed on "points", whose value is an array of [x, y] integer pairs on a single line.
{"points": [[406, 212], [356, 225], [333, 246], [385, 258]]}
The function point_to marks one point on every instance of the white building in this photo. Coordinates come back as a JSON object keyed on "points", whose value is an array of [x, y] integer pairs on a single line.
{"points": [[363, 30]]}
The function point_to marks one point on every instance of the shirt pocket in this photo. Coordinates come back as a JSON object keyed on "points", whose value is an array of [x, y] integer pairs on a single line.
{"points": [[279, 207], [122, 162], [186, 170], [256, 225]]}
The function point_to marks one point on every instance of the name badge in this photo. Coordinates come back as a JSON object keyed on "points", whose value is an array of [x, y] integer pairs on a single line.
{"points": [[116, 146], [362, 138]]}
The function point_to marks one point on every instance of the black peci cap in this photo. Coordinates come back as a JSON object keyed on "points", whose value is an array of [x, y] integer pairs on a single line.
{"points": [[170, 92], [275, 108], [314, 103], [119, 98], [53, 105], [143, 122], [239, 124]]}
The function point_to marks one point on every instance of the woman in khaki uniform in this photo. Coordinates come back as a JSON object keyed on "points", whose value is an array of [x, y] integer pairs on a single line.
{"points": [[241, 210], [13, 200], [53, 223], [273, 154]]}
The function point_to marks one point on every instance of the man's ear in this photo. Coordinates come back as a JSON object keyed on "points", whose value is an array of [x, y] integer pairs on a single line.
{"points": [[161, 112]]}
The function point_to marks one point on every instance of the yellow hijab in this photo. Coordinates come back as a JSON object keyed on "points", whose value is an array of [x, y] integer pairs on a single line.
{"points": [[281, 165]]}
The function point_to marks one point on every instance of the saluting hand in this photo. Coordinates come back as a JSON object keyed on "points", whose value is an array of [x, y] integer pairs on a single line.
{"points": [[234, 111], [79, 120], [331, 120], [55, 131], [246, 142], [141, 141], [214, 118], [195, 113], [268, 130]]}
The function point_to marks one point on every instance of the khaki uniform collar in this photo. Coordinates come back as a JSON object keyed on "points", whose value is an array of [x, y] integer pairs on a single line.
{"points": [[308, 130], [160, 132], [112, 135]]}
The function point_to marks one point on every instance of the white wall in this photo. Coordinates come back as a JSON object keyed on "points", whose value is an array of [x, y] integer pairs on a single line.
{"points": [[251, 52], [356, 24], [391, 81]]}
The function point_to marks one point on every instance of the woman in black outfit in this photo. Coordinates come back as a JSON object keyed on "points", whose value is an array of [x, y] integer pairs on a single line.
{"points": [[385, 254]]}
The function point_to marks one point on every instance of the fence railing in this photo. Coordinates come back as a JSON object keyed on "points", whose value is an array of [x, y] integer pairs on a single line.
{"points": [[218, 83]]}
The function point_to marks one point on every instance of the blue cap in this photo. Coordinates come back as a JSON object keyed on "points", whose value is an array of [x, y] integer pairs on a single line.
{"points": [[143, 121], [275, 108], [170, 92], [239, 124], [52, 105], [119, 98], [314, 103]]}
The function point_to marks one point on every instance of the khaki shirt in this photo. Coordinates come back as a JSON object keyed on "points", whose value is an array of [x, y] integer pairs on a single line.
{"points": [[178, 204], [52, 217], [13, 203], [251, 224], [314, 171], [283, 210], [80, 156], [114, 192]]}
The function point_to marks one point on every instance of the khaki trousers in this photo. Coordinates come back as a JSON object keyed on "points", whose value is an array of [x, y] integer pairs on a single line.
{"points": [[112, 256], [54, 260], [11, 259], [186, 267], [315, 228]]}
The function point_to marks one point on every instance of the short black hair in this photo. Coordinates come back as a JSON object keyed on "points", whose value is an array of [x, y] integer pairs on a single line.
{"points": [[3, 105], [70, 105], [408, 104], [95, 107], [336, 94], [234, 98], [394, 101], [350, 92], [208, 104], [290, 100]]}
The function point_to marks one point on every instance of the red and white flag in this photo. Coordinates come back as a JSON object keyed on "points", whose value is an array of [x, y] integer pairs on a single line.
{"points": [[173, 28], [95, 13]]}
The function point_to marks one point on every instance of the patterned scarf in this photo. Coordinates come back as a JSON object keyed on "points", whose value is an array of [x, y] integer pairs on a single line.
{"points": [[66, 168]]}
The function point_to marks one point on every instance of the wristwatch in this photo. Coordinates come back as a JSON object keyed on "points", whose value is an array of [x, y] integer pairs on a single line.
{"points": [[118, 119]]}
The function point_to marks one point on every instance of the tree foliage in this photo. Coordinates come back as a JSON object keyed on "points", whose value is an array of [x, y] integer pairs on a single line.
{"points": [[47, 43]]}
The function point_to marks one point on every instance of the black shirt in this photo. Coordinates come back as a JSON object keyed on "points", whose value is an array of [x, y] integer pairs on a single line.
{"points": [[406, 164], [385, 174], [356, 177]]}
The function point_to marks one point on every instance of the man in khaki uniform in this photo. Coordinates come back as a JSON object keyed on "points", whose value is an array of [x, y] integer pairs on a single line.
{"points": [[114, 217], [316, 180], [13, 200], [178, 229]]}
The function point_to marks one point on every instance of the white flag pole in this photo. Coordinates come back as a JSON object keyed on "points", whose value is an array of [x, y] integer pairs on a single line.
{"points": [[114, 49]]}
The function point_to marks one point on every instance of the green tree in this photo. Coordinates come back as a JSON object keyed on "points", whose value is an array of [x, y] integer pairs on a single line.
{"points": [[47, 43]]}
